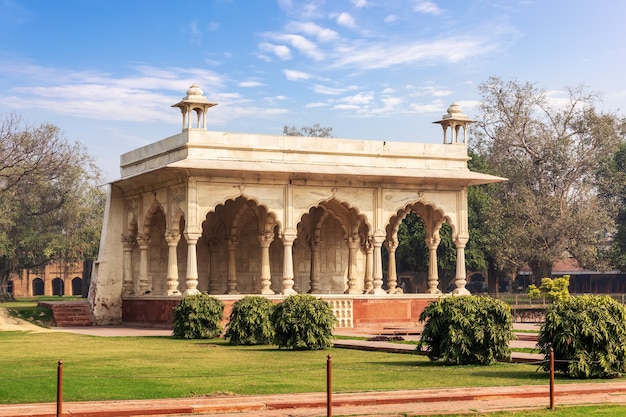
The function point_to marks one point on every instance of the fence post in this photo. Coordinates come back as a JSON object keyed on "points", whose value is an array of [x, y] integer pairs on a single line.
{"points": [[60, 389], [329, 387], [551, 378]]}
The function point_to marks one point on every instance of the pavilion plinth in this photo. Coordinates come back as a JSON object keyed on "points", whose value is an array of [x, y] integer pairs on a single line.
{"points": [[351, 311]]}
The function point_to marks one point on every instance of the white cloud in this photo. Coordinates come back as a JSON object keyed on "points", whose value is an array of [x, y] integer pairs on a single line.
{"points": [[316, 105], [346, 107], [196, 35], [146, 95], [303, 45], [390, 18], [427, 7], [311, 29], [384, 55], [281, 51], [432, 91], [344, 19], [293, 75], [250, 84], [359, 4], [329, 91], [358, 99], [436, 106]]}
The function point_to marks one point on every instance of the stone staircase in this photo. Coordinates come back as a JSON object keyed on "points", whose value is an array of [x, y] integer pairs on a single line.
{"points": [[70, 313]]}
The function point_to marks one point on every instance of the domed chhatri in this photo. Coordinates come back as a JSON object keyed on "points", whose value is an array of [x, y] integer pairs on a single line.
{"points": [[194, 101], [454, 119]]}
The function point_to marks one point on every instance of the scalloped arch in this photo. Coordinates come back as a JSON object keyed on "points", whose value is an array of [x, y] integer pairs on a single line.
{"points": [[152, 210], [246, 198], [393, 223], [344, 203]]}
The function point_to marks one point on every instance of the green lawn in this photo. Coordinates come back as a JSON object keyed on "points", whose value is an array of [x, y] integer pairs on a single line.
{"points": [[102, 368]]}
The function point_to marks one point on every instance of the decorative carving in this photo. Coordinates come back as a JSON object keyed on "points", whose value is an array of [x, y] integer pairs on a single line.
{"points": [[178, 194]]}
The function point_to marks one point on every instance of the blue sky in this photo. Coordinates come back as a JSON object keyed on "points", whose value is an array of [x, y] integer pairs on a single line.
{"points": [[107, 71]]}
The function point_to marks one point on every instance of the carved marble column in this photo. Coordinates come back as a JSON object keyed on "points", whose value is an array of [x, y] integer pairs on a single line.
{"points": [[191, 282], [266, 240], [459, 278], [353, 244], [433, 273], [128, 286], [172, 263], [213, 267], [369, 267], [288, 264], [314, 244], [232, 267], [377, 275], [144, 281], [392, 277]]}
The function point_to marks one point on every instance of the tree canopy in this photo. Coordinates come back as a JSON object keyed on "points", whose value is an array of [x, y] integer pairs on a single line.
{"points": [[315, 131], [52, 205], [550, 151]]}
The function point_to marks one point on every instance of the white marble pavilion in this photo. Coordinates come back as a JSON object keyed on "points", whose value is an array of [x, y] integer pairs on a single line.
{"points": [[235, 213]]}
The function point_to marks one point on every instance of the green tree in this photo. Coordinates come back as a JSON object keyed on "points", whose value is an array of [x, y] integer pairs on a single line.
{"points": [[50, 199], [463, 330], [198, 316], [315, 131], [588, 335], [250, 322], [303, 322], [550, 153], [612, 184]]}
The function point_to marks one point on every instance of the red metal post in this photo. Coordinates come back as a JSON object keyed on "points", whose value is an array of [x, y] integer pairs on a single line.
{"points": [[329, 387], [551, 378], [60, 389]]}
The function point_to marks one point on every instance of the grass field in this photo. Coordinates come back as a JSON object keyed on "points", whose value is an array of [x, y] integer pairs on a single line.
{"points": [[106, 368]]}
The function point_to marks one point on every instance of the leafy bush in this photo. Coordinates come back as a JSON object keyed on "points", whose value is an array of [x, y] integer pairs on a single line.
{"points": [[462, 330], [303, 322], [554, 289], [588, 334], [198, 317], [250, 322]]}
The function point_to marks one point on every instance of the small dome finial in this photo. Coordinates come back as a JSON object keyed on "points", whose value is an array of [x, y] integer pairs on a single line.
{"points": [[194, 90], [454, 111]]}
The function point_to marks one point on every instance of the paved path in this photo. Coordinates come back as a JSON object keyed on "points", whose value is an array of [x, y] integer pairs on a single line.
{"points": [[387, 403]]}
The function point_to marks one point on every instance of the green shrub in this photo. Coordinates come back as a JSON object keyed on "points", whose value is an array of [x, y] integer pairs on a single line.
{"points": [[588, 334], [250, 322], [303, 322], [553, 289], [463, 330], [198, 317]]}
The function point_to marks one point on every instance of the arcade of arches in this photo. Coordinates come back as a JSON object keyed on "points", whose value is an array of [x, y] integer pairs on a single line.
{"points": [[233, 214], [53, 279]]}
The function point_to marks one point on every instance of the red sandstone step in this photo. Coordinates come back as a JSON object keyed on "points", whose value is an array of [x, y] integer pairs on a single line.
{"points": [[70, 313]]}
